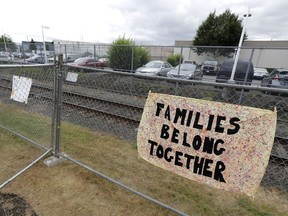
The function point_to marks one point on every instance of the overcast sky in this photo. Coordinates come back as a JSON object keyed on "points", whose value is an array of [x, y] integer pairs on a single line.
{"points": [[147, 21]]}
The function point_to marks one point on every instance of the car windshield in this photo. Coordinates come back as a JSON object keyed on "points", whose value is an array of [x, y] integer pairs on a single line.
{"points": [[242, 66], [186, 67], [211, 62], [153, 65], [261, 70], [283, 73]]}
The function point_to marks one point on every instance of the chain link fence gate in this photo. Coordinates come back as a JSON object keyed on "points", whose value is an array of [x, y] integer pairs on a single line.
{"points": [[26, 103]]}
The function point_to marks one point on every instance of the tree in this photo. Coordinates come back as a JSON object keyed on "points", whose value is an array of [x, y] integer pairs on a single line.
{"points": [[32, 45], [6, 42], [125, 55], [223, 30]]}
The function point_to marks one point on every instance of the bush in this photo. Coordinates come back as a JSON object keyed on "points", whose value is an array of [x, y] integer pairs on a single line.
{"points": [[125, 55], [174, 59]]}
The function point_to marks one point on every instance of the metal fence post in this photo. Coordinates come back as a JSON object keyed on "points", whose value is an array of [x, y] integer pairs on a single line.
{"points": [[58, 104], [246, 75], [55, 72], [65, 50], [180, 60], [132, 59], [94, 50]]}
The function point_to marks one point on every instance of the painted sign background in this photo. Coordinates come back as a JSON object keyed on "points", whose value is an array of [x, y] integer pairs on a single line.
{"points": [[223, 145]]}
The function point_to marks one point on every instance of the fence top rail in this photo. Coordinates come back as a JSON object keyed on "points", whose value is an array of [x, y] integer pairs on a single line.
{"points": [[25, 65], [179, 46], [202, 82]]}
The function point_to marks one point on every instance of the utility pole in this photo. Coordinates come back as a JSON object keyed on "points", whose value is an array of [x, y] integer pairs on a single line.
{"points": [[239, 47]]}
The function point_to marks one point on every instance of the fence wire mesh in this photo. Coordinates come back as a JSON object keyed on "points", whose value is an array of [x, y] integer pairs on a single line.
{"points": [[26, 111], [101, 111], [111, 103]]}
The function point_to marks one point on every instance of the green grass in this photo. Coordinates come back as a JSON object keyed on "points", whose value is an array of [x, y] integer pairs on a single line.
{"points": [[37, 127]]}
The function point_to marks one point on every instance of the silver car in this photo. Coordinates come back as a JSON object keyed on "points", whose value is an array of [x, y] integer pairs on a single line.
{"points": [[154, 68], [186, 71], [278, 78]]}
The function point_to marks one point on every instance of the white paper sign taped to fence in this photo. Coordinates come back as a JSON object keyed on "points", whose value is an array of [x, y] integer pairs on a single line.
{"points": [[223, 145], [72, 77], [21, 88]]}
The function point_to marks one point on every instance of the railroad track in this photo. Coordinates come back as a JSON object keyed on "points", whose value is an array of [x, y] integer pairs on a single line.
{"points": [[88, 103], [128, 113]]}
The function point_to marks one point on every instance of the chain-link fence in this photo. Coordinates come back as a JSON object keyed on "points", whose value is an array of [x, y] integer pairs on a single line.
{"points": [[26, 111], [100, 111], [111, 103]]}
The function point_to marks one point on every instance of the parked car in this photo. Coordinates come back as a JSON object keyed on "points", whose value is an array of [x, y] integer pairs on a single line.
{"points": [[210, 67], [260, 73], [68, 58], [4, 56], [189, 61], [154, 68], [243, 67], [278, 78], [88, 62], [186, 71], [104, 61], [17, 54], [35, 59]]}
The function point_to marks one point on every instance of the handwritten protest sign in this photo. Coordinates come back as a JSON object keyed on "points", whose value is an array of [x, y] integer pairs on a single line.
{"points": [[223, 145]]}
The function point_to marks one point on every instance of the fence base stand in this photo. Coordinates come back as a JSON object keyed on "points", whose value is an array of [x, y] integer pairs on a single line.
{"points": [[53, 161]]}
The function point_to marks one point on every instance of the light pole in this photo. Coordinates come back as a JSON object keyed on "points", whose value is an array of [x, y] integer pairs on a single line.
{"points": [[239, 46], [44, 47]]}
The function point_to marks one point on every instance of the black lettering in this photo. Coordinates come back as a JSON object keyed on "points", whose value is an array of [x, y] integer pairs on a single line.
{"points": [[210, 122], [184, 143], [218, 128], [196, 121], [175, 134], [189, 158], [198, 165], [206, 171], [189, 118], [208, 145], [153, 143], [167, 113], [167, 150], [164, 132], [216, 150], [197, 142], [219, 168], [160, 151], [233, 121], [178, 159], [180, 114], [160, 106]]}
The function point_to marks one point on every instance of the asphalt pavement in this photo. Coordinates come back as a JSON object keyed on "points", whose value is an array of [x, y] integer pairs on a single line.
{"points": [[212, 78]]}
